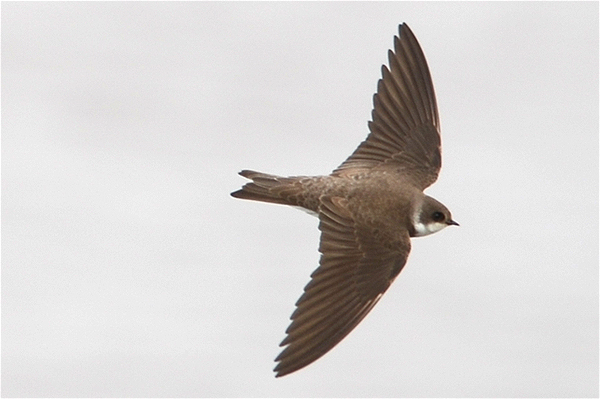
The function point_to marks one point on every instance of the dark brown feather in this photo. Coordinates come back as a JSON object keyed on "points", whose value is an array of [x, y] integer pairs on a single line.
{"points": [[356, 269], [404, 134]]}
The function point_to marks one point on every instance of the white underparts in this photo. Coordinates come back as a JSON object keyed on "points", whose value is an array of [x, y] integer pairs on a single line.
{"points": [[312, 213]]}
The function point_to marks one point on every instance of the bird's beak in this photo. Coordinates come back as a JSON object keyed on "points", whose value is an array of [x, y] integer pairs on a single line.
{"points": [[452, 222]]}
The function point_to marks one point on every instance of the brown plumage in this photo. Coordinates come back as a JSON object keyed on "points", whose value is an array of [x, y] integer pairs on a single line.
{"points": [[368, 208]]}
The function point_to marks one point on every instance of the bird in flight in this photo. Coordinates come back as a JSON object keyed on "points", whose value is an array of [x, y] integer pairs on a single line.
{"points": [[368, 208]]}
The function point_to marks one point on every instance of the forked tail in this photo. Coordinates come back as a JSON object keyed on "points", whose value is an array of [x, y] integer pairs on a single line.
{"points": [[270, 188]]}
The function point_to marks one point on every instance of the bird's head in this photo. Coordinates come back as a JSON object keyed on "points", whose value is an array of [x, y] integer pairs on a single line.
{"points": [[430, 217]]}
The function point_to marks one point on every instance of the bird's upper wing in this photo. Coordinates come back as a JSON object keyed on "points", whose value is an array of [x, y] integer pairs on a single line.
{"points": [[404, 134], [355, 270]]}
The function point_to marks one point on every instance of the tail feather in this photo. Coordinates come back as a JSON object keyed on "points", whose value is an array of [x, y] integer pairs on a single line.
{"points": [[269, 188]]}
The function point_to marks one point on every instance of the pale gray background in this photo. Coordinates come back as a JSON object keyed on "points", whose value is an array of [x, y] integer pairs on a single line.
{"points": [[127, 269]]}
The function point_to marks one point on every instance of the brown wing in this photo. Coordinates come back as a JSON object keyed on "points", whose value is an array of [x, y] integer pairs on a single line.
{"points": [[404, 134], [356, 269]]}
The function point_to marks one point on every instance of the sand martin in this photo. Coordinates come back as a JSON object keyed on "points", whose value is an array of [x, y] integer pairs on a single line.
{"points": [[368, 208]]}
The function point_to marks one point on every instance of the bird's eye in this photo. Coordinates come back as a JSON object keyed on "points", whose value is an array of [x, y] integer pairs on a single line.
{"points": [[438, 217]]}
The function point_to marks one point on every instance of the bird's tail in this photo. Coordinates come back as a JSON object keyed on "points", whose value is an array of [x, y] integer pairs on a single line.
{"points": [[270, 188]]}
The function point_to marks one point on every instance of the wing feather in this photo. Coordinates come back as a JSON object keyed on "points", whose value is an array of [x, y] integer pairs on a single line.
{"points": [[355, 270], [404, 135]]}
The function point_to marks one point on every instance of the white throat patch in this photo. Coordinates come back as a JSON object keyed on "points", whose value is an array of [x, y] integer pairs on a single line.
{"points": [[422, 229], [426, 229]]}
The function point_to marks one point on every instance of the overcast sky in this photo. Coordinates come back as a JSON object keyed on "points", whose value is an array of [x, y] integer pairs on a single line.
{"points": [[128, 270]]}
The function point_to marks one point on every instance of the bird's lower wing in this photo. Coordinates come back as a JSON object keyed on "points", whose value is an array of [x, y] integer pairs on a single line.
{"points": [[355, 270]]}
